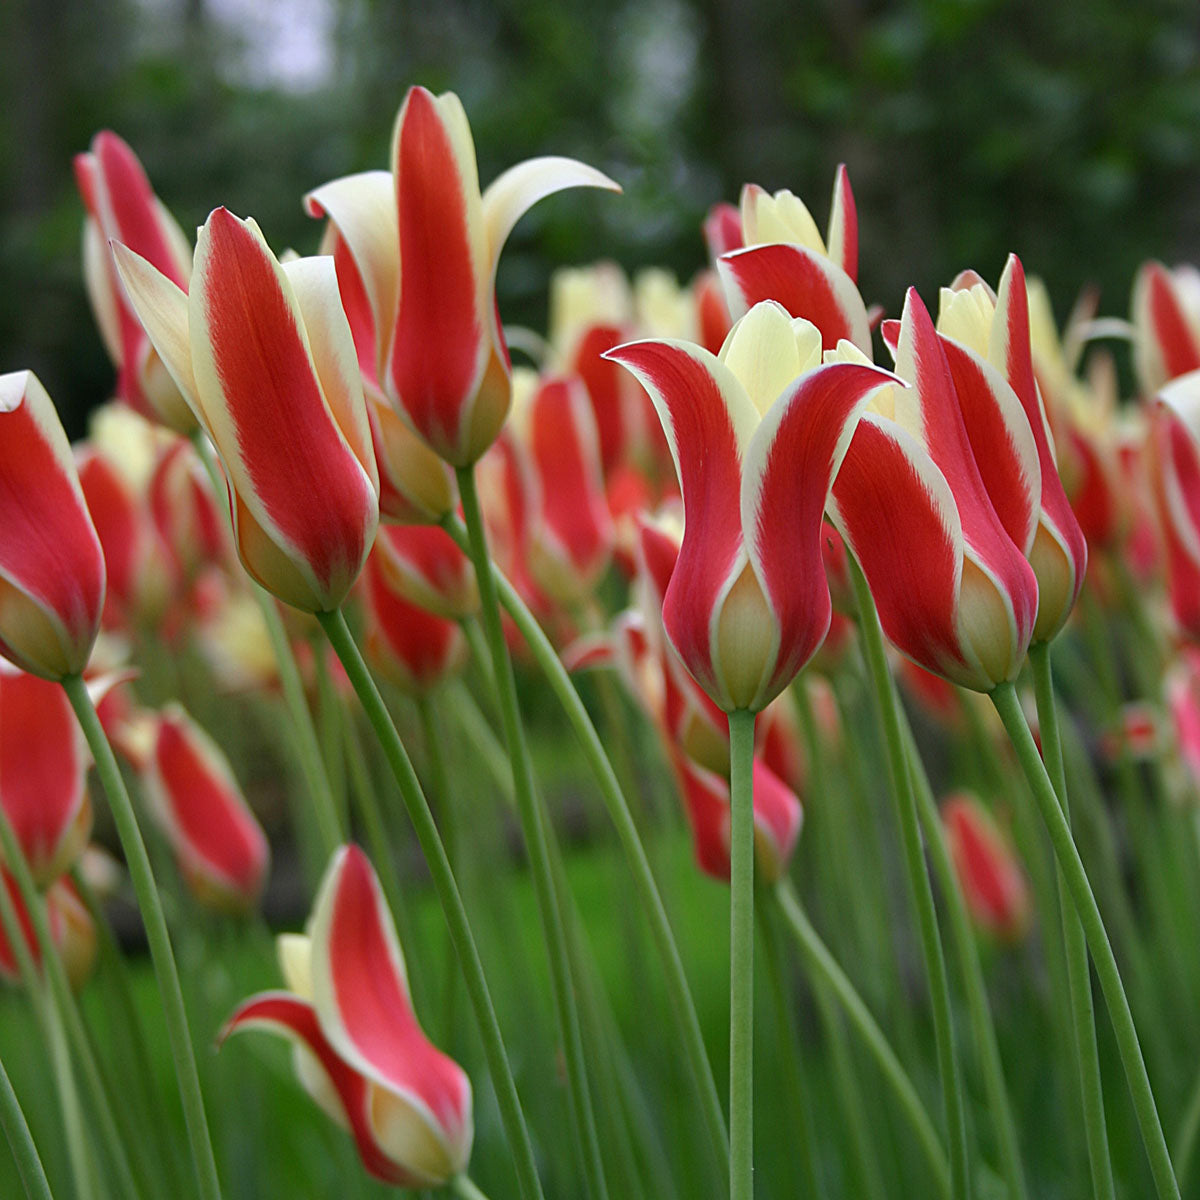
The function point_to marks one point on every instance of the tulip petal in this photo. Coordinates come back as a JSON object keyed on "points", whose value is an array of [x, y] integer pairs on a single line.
{"points": [[806, 283], [360, 991], [363, 208], [1168, 344], [789, 468], [296, 1020], [256, 379], [512, 194], [842, 241], [51, 564]]}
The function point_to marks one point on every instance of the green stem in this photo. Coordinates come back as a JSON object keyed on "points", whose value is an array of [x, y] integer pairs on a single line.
{"points": [[150, 905], [918, 879], [741, 955], [1009, 707], [82, 1170], [533, 826], [1079, 979], [823, 965], [1185, 1139], [682, 1005], [466, 1188], [20, 1141], [444, 884], [967, 950]]}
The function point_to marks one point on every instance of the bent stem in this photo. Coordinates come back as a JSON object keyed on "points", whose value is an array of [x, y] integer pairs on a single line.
{"points": [[20, 1141], [741, 955], [1008, 706], [1079, 980], [821, 963], [150, 905], [334, 624], [918, 879], [533, 827], [682, 1005]]}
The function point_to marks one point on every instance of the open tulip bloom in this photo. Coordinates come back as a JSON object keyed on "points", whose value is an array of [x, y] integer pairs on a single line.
{"points": [[264, 355], [426, 243], [757, 435], [358, 1048]]}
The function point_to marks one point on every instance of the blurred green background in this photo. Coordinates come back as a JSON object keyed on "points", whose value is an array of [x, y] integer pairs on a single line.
{"points": [[1067, 132]]}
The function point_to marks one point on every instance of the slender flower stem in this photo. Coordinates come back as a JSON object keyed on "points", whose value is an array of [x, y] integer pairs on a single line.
{"points": [[1079, 979], [682, 1005], [1185, 1139], [741, 955], [1009, 707], [918, 879], [533, 826], [967, 950], [823, 965], [304, 730], [20, 1141], [334, 624], [150, 905]]}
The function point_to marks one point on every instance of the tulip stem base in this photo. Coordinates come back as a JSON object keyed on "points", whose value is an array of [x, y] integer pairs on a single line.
{"points": [[741, 955], [1009, 707], [919, 884], [137, 862], [674, 977], [537, 840], [453, 909], [1079, 981]]}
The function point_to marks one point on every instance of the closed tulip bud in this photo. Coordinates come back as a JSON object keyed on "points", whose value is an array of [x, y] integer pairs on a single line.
{"points": [[263, 352], [43, 773], [189, 523], [1175, 473], [1166, 326], [218, 843], [1183, 704], [423, 565], [409, 646], [51, 563], [358, 1049], [991, 879], [757, 435], [122, 207]]}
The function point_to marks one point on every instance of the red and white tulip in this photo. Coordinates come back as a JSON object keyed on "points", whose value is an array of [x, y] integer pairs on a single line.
{"points": [[992, 882]]}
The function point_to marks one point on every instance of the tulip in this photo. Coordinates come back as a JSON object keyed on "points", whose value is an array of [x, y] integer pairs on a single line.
{"points": [[423, 565], [191, 790], [986, 340], [953, 591], [1166, 324], [1175, 458], [757, 435], [72, 931], [410, 647], [264, 354], [778, 816], [1183, 704], [359, 1050], [991, 879], [189, 522], [784, 258], [43, 773], [51, 563], [122, 207], [430, 277]]}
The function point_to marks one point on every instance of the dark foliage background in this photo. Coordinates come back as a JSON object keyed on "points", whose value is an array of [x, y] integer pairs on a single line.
{"points": [[1070, 133]]}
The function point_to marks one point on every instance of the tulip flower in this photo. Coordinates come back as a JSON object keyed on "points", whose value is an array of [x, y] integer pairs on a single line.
{"points": [[991, 879], [51, 563], [1175, 457], [1166, 324], [72, 931], [43, 773], [757, 435], [986, 340], [423, 565], [778, 816], [191, 790], [429, 273], [954, 592], [410, 646], [185, 513], [122, 207], [264, 355], [359, 1050], [784, 258], [1183, 704]]}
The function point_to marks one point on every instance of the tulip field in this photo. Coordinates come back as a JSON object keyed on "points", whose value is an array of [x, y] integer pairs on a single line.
{"points": [[740, 740]]}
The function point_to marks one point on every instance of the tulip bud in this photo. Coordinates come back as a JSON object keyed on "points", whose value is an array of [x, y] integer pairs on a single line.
{"points": [[992, 882], [51, 563]]}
